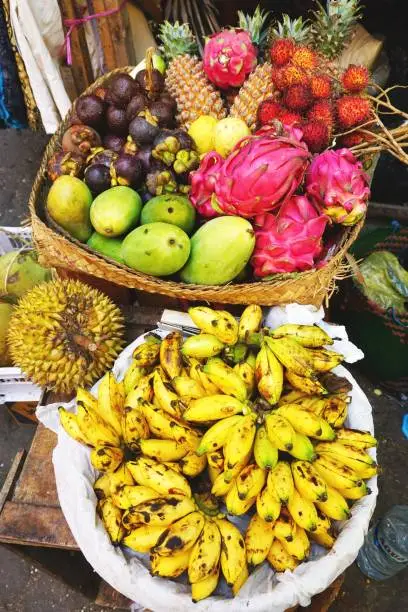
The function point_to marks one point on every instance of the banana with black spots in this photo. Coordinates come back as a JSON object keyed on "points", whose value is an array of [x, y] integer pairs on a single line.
{"points": [[170, 354], [106, 458], [258, 540], [280, 482], [233, 553], [160, 511], [309, 336], [265, 453], [159, 477], [308, 481]]}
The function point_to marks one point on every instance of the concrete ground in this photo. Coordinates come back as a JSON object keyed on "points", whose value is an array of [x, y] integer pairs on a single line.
{"points": [[28, 588]]}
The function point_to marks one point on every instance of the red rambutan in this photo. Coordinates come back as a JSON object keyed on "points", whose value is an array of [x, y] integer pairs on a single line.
{"points": [[304, 57], [352, 111], [269, 109], [321, 86], [354, 138], [355, 78], [293, 75], [281, 51], [297, 97], [322, 111], [290, 118], [316, 135], [278, 78]]}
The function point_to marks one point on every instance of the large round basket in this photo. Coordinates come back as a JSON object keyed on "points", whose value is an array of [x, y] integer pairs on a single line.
{"points": [[58, 249]]}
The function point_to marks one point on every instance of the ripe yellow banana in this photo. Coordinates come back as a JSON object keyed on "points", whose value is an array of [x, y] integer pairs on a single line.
{"points": [[302, 448], [192, 464], [250, 481], [203, 346], [111, 400], [112, 519], [215, 461], [162, 450], [143, 391], [221, 486], [224, 377], [306, 423], [335, 473], [265, 453], [197, 374], [280, 431], [335, 411], [302, 511], [205, 554], [119, 478], [127, 496], [233, 554], [356, 438], [312, 403], [250, 321], [247, 374], [170, 354], [133, 375], [308, 481], [292, 355], [356, 492], [258, 540], [216, 436], [309, 336], [167, 399], [324, 538], [299, 545], [235, 505], [269, 375], [134, 427], [102, 487], [160, 511], [280, 482], [324, 360], [86, 398], [284, 527], [241, 580], [162, 425], [292, 397], [342, 452], [213, 408], [106, 458], [335, 506], [202, 589], [146, 355], [323, 522], [173, 465], [279, 559], [267, 506], [157, 476], [170, 567], [240, 441], [95, 429], [180, 535], [187, 388], [70, 423], [309, 385], [218, 322], [143, 538]]}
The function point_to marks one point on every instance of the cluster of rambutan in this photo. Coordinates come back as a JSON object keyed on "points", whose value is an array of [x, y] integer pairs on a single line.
{"points": [[309, 97]]}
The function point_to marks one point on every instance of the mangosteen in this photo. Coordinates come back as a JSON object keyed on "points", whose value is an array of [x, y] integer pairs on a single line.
{"points": [[90, 110], [122, 88], [145, 156], [157, 81], [163, 113], [168, 99], [166, 146], [114, 142], [136, 105], [142, 131], [99, 155], [185, 140], [116, 121], [130, 146], [101, 92], [127, 170], [64, 162], [161, 180], [98, 178], [80, 139]]}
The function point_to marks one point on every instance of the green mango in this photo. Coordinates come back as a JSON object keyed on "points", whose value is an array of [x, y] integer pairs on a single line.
{"points": [[20, 272], [110, 247], [116, 211], [220, 250], [174, 209], [68, 203]]}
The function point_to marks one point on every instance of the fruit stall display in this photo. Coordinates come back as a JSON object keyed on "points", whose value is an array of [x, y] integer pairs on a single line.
{"points": [[237, 421], [251, 156]]}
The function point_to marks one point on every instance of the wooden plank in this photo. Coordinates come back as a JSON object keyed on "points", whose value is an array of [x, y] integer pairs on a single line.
{"points": [[81, 65], [108, 597], [36, 484], [117, 26], [11, 477], [35, 525], [105, 36]]}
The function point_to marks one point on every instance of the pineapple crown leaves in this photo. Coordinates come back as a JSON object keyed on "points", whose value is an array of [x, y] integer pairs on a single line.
{"points": [[177, 39], [332, 27], [255, 25], [297, 29]]}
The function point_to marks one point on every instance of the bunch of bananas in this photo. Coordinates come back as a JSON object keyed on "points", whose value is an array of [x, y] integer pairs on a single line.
{"points": [[248, 417]]}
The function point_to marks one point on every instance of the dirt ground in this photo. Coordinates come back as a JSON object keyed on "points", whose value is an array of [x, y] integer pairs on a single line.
{"points": [[25, 587]]}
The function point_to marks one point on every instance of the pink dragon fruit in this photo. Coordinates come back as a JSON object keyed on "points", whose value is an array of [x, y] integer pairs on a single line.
{"points": [[290, 241], [261, 173], [229, 56], [203, 183], [337, 185]]}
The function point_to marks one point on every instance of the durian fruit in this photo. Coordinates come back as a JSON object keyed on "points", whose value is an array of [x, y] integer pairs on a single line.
{"points": [[186, 80], [64, 334], [333, 26]]}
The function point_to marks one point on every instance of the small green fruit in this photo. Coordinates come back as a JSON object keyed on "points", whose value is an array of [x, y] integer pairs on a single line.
{"points": [[110, 247], [68, 203], [116, 211], [158, 249], [173, 209]]}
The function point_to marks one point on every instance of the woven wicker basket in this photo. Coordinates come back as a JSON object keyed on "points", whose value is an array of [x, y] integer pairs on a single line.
{"points": [[58, 249]]}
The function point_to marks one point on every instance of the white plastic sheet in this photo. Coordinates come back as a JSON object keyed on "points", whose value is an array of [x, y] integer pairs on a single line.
{"points": [[264, 591]]}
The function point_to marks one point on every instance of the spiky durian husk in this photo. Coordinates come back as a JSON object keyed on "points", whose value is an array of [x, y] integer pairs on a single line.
{"points": [[195, 95], [64, 334], [256, 88]]}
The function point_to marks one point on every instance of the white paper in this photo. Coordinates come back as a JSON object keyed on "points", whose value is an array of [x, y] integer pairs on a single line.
{"points": [[265, 591]]}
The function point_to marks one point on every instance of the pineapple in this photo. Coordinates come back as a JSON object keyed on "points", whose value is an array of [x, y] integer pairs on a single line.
{"points": [[185, 78], [258, 85], [332, 29], [296, 29]]}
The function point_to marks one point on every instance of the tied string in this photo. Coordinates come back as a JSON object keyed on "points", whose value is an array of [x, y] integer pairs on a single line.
{"points": [[71, 24]]}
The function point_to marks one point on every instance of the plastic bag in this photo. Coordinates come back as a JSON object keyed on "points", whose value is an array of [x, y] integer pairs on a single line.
{"points": [[385, 281], [127, 572]]}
